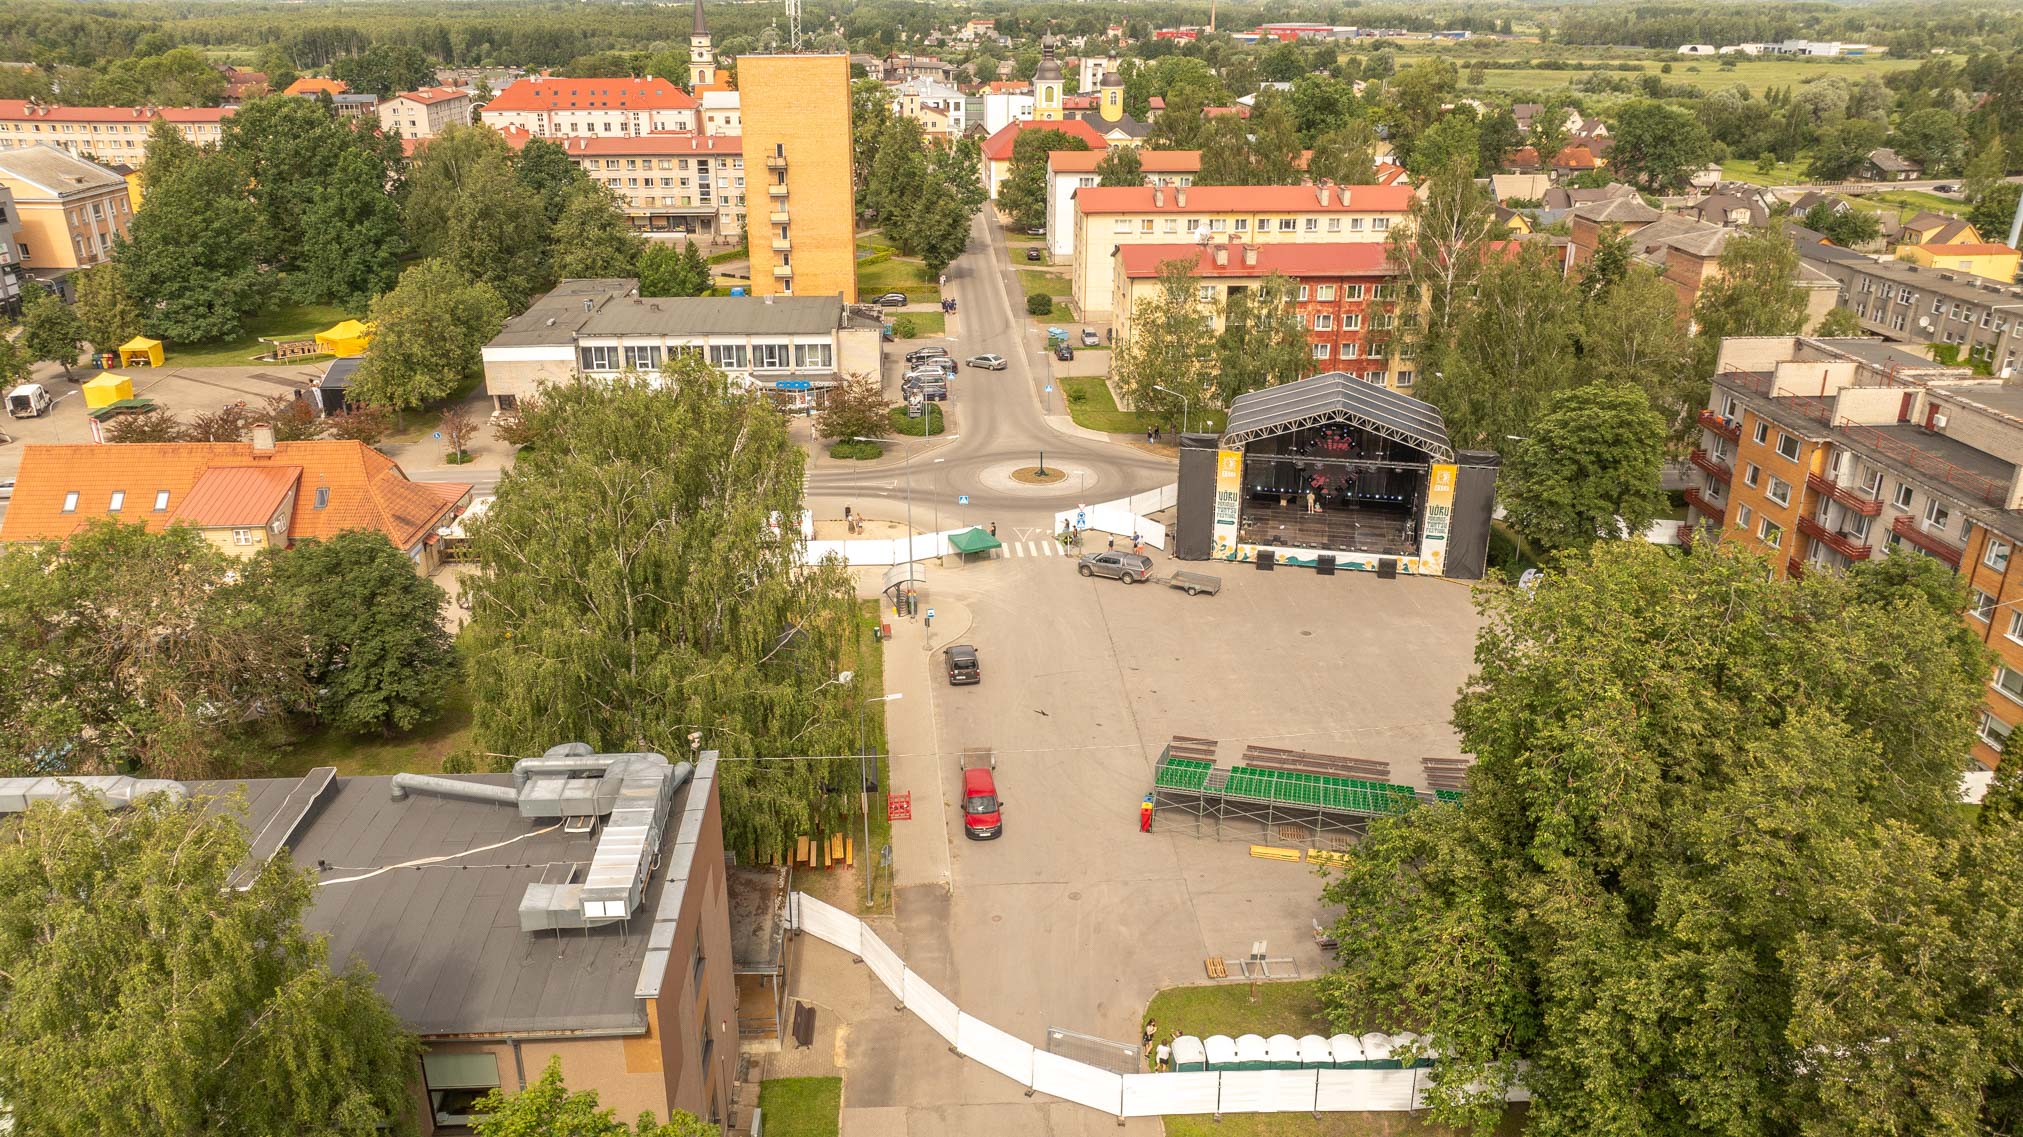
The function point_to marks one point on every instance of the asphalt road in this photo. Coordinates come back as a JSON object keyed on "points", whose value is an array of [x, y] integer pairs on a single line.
{"points": [[995, 421]]}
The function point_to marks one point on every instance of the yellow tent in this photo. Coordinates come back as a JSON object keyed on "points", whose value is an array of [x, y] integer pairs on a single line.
{"points": [[140, 351], [106, 390], [346, 339]]}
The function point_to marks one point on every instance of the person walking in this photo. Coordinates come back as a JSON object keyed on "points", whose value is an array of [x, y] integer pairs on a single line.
{"points": [[993, 529]]}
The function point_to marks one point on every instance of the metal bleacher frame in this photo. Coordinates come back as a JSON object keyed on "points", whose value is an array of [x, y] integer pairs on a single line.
{"points": [[1281, 796]]}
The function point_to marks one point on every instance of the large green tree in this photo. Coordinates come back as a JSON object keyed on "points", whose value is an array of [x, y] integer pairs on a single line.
{"points": [[642, 579], [1024, 192], [1343, 155], [429, 334], [1162, 364], [1841, 149], [150, 990], [294, 152], [110, 315], [1658, 146], [1437, 256], [592, 237], [166, 150], [179, 77], [870, 114], [188, 676], [1588, 470], [191, 256], [377, 655], [1631, 333], [665, 270], [547, 169], [1512, 348], [352, 237], [1121, 167], [467, 202], [548, 1108], [1753, 294], [385, 69], [1710, 875], [50, 330]]}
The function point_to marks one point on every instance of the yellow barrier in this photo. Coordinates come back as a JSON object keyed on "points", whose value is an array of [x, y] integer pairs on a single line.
{"points": [[1274, 853]]}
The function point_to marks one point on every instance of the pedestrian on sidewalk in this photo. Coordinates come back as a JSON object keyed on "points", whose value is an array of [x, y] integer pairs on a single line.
{"points": [[993, 529], [1113, 542]]}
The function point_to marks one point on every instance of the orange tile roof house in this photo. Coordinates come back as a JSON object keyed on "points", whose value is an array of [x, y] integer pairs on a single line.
{"points": [[557, 105], [243, 496], [310, 85]]}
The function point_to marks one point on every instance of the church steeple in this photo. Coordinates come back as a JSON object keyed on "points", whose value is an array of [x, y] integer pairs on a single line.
{"points": [[1047, 82], [701, 57]]}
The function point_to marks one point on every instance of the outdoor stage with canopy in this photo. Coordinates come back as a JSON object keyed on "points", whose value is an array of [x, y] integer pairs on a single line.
{"points": [[1333, 472]]}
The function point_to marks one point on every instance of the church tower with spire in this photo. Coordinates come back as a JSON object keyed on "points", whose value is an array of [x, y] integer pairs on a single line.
{"points": [[701, 56], [1047, 83]]}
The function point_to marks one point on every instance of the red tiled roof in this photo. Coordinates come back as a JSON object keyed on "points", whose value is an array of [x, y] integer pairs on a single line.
{"points": [[1002, 87], [563, 94], [1575, 158], [367, 489], [55, 112], [1238, 110], [433, 95], [1151, 161], [1246, 199], [236, 495], [1361, 258], [998, 147]]}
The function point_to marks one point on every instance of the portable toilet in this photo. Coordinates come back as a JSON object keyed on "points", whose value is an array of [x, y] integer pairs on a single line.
{"points": [[1408, 1049], [1314, 1053], [1252, 1053], [140, 351], [106, 390], [1347, 1051], [1377, 1052], [1281, 1052], [1189, 1054], [1219, 1051]]}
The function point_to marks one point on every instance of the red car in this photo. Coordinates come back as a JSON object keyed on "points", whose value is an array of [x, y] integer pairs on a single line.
{"points": [[982, 812]]}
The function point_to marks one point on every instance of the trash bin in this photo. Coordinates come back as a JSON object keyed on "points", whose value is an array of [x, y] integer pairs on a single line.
{"points": [[885, 630]]}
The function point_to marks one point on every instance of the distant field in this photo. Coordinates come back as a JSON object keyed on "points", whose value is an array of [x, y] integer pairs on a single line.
{"points": [[1757, 74]]}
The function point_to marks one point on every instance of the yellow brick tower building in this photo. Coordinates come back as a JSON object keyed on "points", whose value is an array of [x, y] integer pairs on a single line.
{"points": [[801, 217]]}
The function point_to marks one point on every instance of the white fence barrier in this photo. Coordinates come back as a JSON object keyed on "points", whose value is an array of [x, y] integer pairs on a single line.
{"points": [[1121, 1095], [1125, 515]]}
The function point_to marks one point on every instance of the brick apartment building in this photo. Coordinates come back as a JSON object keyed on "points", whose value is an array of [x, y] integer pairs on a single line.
{"points": [[1684, 251], [109, 134], [68, 211], [425, 113], [1819, 453], [796, 112], [1981, 319], [1107, 218], [1347, 297], [669, 183], [551, 106]]}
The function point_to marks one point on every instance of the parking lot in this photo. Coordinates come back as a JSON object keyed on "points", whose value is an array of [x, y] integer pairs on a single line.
{"points": [[1073, 918]]}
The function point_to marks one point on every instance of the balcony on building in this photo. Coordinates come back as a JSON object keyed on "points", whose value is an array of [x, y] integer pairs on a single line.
{"points": [[1712, 466], [777, 192], [782, 272], [1698, 500], [1853, 499], [782, 245], [1907, 529], [1732, 431], [776, 161], [778, 217], [1840, 543]]}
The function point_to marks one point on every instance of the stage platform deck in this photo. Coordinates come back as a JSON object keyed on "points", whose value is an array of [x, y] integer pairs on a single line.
{"points": [[1385, 531]]}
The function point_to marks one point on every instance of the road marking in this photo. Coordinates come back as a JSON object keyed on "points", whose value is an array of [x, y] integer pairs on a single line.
{"points": [[1018, 548]]}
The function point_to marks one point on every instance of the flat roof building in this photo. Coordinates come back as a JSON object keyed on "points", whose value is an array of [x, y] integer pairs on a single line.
{"points": [[1982, 319]]}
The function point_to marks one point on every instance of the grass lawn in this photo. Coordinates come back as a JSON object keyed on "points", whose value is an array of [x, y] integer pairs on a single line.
{"points": [[420, 751], [1914, 201], [1707, 74], [801, 1107], [1019, 237], [1282, 1008], [1090, 405], [924, 323], [1054, 284], [872, 241], [728, 255], [885, 276], [1786, 173], [287, 321]]}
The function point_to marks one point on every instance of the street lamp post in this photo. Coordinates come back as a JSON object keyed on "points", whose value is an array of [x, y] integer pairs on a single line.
{"points": [[906, 464], [1183, 404], [864, 787]]}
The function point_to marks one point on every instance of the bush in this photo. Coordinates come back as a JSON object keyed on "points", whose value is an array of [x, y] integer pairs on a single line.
{"points": [[930, 423], [859, 451], [905, 328], [1040, 304]]}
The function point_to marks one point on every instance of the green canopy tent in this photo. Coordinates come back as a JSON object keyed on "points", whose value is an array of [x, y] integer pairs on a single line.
{"points": [[974, 543]]}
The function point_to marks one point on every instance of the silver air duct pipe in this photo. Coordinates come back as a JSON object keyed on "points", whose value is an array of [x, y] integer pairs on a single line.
{"points": [[456, 788]]}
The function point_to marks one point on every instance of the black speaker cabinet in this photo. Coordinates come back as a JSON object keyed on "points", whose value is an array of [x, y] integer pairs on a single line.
{"points": [[1267, 560], [1387, 568], [1324, 564]]}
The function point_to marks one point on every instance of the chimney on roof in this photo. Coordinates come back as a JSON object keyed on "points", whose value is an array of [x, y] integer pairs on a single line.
{"points": [[1221, 256], [263, 440], [1180, 196], [1321, 189], [1250, 256]]}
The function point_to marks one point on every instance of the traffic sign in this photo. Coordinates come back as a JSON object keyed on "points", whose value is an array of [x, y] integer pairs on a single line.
{"points": [[1081, 519], [930, 613], [962, 499], [439, 434], [1050, 388]]}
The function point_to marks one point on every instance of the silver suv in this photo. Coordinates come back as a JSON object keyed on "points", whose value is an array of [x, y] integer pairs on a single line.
{"points": [[1127, 567]]}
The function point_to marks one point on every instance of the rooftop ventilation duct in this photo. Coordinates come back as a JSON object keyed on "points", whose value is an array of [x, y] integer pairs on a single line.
{"points": [[17, 794]]}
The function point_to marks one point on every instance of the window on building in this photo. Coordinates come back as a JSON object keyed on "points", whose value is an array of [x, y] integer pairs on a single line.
{"points": [[2015, 631], [1352, 321], [1772, 533], [242, 536], [1743, 516], [1762, 433], [1993, 731], [161, 501], [2009, 682], [1350, 349], [771, 356], [70, 502], [642, 358], [729, 356], [1857, 527], [1285, 224], [1205, 294], [1313, 225], [1323, 321], [707, 1045], [1121, 225], [1787, 446], [600, 358], [455, 1082], [1406, 378], [117, 502], [1779, 491], [1903, 497], [1751, 474], [1145, 226], [1324, 292], [1320, 351], [1936, 516], [1982, 608], [813, 356], [1303, 292]]}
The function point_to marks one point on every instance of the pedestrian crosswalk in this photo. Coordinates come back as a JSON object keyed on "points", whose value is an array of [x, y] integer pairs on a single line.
{"points": [[1034, 548]]}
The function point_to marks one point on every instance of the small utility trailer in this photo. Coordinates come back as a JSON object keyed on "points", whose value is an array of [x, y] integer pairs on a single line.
{"points": [[1192, 583]]}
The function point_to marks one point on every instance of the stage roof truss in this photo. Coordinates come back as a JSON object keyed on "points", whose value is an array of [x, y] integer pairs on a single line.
{"points": [[1337, 398]]}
